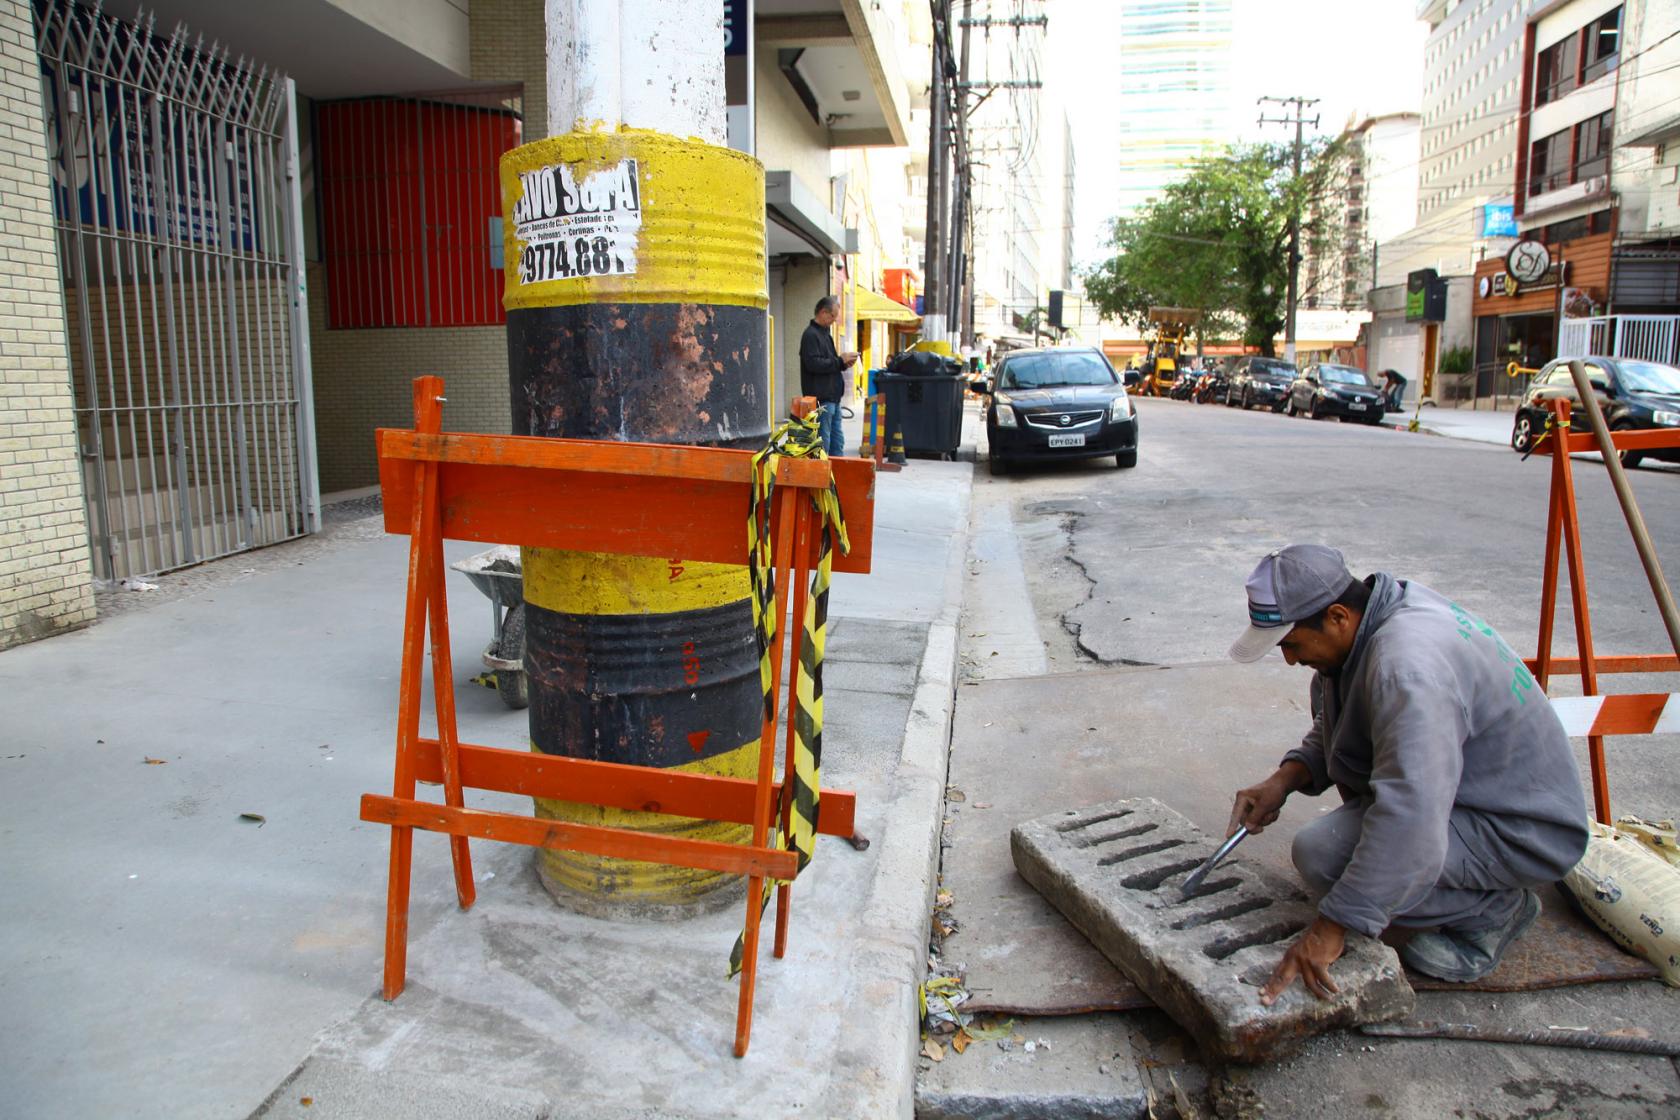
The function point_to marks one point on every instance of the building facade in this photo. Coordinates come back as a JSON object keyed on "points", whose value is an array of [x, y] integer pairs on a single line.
{"points": [[1591, 195], [1173, 91], [154, 415], [1372, 195], [45, 574], [1471, 85]]}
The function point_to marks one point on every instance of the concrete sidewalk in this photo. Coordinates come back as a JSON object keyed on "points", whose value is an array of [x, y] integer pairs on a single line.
{"points": [[161, 956], [1483, 425], [1480, 425]]}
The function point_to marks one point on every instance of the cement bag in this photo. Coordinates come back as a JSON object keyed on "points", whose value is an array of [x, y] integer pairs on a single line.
{"points": [[1658, 836], [1632, 895]]}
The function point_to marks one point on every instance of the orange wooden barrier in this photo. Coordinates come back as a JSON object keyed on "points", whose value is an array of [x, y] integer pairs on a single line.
{"points": [[635, 499], [1563, 533]]}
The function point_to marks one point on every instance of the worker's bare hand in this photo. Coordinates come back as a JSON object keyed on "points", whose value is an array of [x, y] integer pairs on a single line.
{"points": [[1257, 806], [1309, 958]]}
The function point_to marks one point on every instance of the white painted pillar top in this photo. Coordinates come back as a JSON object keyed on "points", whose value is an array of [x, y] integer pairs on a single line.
{"points": [[650, 64]]}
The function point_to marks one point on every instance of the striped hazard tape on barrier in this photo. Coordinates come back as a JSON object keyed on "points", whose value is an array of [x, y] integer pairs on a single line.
{"points": [[799, 438], [1645, 713]]}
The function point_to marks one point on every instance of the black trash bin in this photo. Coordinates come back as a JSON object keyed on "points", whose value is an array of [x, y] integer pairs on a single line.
{"points": [[927, 410]]}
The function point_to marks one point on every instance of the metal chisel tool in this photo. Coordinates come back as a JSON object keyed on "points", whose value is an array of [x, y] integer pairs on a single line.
{"points": [[1196, 876]]}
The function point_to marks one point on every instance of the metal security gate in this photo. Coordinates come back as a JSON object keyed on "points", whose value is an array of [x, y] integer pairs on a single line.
{"points": [[179, 235]]}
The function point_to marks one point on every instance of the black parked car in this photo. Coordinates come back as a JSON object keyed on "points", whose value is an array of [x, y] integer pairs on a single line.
{"points": [[1263, 381], [1331, 390], [1059, 403], [1633, 395]]}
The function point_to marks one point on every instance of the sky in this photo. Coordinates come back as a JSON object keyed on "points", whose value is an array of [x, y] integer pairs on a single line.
{"points": [[1357, 56]]}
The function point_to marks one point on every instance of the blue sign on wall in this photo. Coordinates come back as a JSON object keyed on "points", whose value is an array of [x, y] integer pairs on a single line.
{"points": [[1498, 220], [734, 34]]}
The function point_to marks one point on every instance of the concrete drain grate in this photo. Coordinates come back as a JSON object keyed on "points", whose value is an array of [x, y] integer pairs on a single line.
{"points": [[1114, 871]]}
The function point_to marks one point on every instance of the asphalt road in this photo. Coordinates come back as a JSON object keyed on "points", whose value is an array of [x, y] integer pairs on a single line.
{"points": [[1146, 565], [1216, 488]]}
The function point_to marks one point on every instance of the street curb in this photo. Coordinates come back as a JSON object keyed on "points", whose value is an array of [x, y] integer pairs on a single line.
{"points": [[890, 961]]}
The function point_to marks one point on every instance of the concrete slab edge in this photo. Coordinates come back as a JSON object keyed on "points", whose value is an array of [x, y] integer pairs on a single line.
{"points": [[1032, 1106], [890, 961]]}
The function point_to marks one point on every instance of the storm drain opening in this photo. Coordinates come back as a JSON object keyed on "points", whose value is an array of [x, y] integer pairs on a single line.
{"points": [[1149, 880], [1073, 826], [1140, 851], [1233, 910], [1231, 943], [1210, 886], [1135, 830]]}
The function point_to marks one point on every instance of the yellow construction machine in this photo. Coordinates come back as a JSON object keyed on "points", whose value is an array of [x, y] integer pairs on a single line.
{"points": [[1168, 326]]}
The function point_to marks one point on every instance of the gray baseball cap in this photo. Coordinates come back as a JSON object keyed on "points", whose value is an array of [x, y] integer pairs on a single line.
{"points": [[1288, 585]]}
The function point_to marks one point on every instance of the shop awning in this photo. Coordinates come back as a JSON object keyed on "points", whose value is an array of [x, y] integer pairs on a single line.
{"points": [[877, 308]]}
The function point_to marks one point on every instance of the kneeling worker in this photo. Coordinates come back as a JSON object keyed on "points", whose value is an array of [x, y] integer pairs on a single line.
{"points": [[1460, 793]]}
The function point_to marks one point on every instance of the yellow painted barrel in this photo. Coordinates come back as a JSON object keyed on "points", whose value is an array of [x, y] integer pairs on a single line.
{"points": [[636, 301]]}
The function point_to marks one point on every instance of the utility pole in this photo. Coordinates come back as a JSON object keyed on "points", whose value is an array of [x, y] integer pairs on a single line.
{"points": [[635, 96], [960, 192], [966, 94], [1299, 120], [933, 262]]}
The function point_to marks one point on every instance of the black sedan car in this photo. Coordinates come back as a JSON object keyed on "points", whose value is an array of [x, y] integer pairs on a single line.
{"points": [[1059, 403], [1633, 395], [1332, 390], [1263, 381]]}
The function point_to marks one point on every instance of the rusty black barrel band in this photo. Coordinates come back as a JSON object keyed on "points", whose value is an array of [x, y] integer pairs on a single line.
{"points": [[653, 690], [689, 373], [798, 438]]}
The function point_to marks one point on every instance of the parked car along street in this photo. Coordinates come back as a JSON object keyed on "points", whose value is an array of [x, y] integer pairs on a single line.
{"points": [[1263, 381], [1059, 403], [1332, 390], [1633, 395]]}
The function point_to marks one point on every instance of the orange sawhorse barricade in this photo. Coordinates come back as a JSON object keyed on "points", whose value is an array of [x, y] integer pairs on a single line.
{"points": [[582, 495], [1593, 715]]}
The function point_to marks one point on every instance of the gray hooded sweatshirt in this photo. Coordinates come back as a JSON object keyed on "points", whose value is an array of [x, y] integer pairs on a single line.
{"points": [[1433, 712]]}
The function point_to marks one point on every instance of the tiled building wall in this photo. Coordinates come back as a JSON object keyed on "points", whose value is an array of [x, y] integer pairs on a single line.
{"points": [[363, 381], [507, 46], [44, 568], [362, 377]]}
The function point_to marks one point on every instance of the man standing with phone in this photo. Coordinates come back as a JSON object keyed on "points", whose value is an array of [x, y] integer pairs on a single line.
{"points": [[822, 372]]}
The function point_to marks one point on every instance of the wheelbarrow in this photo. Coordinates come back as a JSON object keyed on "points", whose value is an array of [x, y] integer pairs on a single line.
{"points": [[497, 573]]}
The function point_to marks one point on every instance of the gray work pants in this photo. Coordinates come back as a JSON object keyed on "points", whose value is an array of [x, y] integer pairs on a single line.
{"points": [[1480, 886]]}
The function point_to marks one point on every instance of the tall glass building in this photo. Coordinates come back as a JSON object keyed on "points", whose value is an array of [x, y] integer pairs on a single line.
{"points": [[1175, 91]]}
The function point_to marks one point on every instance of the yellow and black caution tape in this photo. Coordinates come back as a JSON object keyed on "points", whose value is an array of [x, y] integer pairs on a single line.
{"points": [[796, 439]]}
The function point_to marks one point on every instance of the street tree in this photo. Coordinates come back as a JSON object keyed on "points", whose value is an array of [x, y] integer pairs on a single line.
{"points": [[1216, 240]]}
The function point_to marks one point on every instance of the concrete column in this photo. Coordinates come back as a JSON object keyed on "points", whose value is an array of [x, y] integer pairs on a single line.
{"points": [[635, 293], [654, 64]]}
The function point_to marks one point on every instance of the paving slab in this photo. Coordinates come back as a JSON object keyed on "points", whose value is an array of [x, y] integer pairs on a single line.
{"points": [[1027, 747], [1115, 870], [1079, 1068]]}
